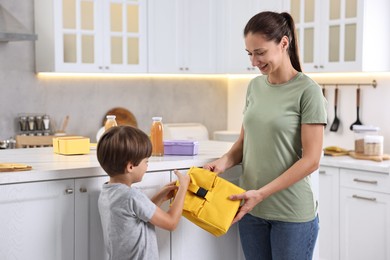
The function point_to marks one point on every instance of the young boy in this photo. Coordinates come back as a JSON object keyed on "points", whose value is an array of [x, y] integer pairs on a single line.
{"points": [[128, 216]]}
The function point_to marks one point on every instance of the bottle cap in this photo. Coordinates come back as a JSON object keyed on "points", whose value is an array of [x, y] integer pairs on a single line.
{"points": [[157, 118]]}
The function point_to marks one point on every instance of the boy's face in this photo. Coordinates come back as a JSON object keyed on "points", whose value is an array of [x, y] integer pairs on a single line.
{"points": [[140, 170]]}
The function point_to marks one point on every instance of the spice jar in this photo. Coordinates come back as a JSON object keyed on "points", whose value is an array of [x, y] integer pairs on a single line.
{"points": [[360, 131], [373, 145], [31, 123]]}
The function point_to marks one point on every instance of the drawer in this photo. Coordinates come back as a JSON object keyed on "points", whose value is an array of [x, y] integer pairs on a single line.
{"points": [[370, 181]]}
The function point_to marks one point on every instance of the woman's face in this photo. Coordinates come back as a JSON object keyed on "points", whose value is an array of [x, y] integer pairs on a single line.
{"points": [[266, 55]]}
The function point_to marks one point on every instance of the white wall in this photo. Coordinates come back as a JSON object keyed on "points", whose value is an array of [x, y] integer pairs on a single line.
{"points": [[374, 105]]}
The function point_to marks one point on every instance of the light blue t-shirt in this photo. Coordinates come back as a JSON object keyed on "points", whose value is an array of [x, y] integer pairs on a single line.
{"points": [[273, 116], [125, 214]]}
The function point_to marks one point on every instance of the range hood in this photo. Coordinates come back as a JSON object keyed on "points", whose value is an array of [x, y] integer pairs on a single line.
{"points": [[12, 30]]}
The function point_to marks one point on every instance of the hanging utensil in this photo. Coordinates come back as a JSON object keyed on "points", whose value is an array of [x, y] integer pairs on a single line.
{"points": [[336, 121], [357, 122]]}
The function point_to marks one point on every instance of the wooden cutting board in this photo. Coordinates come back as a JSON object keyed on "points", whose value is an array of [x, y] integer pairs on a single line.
{"points": [[14, 167], [334, 153], [361, 156]]}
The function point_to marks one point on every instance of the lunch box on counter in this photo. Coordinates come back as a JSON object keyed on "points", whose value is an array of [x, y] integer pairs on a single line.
{"points": [[181, 147]]}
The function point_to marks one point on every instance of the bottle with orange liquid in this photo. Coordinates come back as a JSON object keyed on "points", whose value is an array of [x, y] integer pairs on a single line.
{"points": [[156, 136], [110, 122]]}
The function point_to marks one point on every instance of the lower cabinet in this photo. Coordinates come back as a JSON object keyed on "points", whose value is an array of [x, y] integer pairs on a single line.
{"points": [[193, 243], [328, 237], [364, 215], [37, 220], [354, 214], [88, 240], [59, 220]]}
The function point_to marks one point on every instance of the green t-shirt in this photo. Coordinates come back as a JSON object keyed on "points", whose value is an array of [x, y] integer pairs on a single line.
{"points": [[273, 116]]}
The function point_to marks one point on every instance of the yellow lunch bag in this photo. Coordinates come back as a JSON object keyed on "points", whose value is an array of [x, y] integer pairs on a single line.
{"points": [[207, 202]]}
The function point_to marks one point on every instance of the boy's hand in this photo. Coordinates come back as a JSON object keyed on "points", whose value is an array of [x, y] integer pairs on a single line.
{"points": [[167, 192], [184, 179]]}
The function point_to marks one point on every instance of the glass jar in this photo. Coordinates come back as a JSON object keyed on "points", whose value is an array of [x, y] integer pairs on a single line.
{"points": [[156, 137], [360, 131], [110, 122], [31, 123], [373, 145], [46, 122], [39, 123]]}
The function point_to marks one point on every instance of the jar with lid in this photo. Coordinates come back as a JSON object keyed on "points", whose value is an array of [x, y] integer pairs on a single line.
{"points": [[31, 123], [156, 137], [110, 122], [46, 122], [360, 131], [373, 145], [39, 123]]}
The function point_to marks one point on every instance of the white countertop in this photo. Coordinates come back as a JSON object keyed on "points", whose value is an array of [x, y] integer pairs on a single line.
{"points": [[47, 165], [351, 163]]}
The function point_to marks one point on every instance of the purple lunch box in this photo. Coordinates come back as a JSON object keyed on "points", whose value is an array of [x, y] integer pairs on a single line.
{"points": [[180, 147]]}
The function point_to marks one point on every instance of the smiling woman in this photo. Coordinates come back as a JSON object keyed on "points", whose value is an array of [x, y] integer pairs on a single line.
{"points": [[284, 114]]}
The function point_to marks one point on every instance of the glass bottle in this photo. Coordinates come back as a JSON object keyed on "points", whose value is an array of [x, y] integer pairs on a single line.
{"points": [[110, 122], [156, 137]]}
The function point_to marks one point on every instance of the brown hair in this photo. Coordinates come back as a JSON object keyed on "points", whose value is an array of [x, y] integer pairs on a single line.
{"points": [[120, 145], [273, 26]]}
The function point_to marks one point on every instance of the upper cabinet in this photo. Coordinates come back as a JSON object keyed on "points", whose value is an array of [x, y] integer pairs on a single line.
{"points": [[237, 14], [182, 36], [91, 35], [342, 35]]}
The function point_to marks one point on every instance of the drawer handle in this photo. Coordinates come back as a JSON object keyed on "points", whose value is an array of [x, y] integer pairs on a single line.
{"points": [[363, 198], [365, 181], [69, 191], [322, 172], [83, 190]]}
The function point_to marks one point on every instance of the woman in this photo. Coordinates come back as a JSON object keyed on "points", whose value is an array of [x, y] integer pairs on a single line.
{"points": [[280, 145]]}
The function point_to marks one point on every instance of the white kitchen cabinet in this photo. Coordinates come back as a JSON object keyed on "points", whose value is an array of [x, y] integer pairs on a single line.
{"points": [[37, 220], [236, 15], [60, 219], [328, 237], [341, 35], [88, 240], [182, 36], [364, 215], [91, 36]]}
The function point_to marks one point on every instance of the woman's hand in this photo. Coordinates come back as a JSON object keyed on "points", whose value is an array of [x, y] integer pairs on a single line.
{"points": [[251, 199], [217, 166]]}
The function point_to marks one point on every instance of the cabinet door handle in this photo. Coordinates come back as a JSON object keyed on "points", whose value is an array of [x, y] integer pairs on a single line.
{"points": [[83, 190], [363, 198], [322, 172], [365, 181], [69, 191]]}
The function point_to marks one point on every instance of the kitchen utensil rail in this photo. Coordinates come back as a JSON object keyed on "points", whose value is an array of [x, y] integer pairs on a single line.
{"points": [[373, 84]]}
